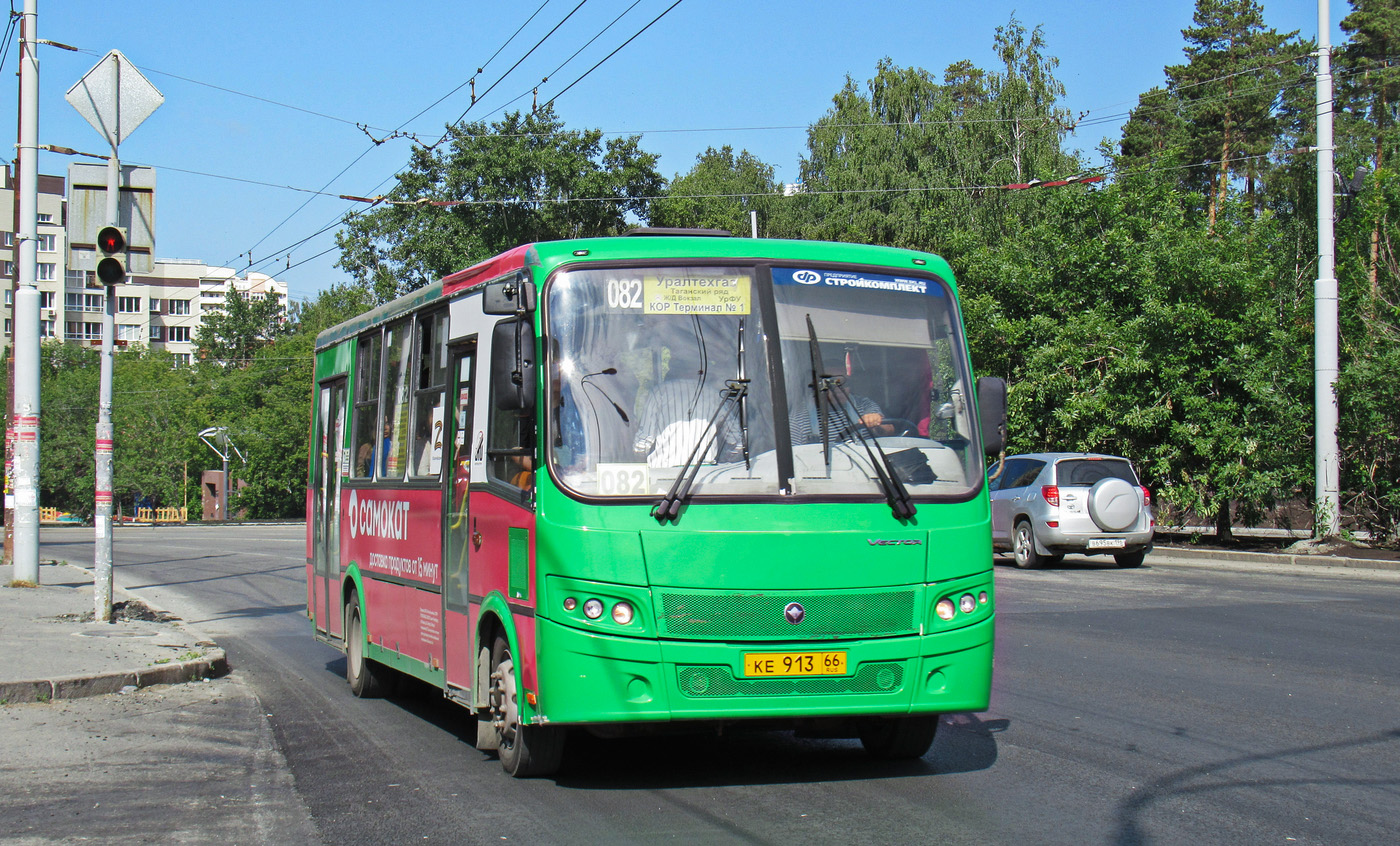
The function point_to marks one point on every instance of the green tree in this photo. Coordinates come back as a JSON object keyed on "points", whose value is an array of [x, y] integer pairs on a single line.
{"points": [[245, 324], [1235, 70], [719, 192], [486, 189]]}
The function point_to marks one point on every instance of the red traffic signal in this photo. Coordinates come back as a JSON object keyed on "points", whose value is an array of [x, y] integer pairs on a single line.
{"points": [[111, 240], [111, 245]]}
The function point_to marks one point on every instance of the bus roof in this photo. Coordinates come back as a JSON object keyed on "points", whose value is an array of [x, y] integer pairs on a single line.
{"points": [[550, 254]]}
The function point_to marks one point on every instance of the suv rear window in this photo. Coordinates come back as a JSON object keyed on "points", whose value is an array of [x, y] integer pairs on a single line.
{"points": [[1084, 472]]}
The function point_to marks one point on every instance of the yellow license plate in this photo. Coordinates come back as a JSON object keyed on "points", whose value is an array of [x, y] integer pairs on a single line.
{"points": [[764, 664]]}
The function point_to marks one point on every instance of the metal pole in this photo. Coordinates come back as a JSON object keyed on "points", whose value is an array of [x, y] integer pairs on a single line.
{"points": [[223, 488], [26, 314], [1328, 520], [102, 521], [753, 223]]}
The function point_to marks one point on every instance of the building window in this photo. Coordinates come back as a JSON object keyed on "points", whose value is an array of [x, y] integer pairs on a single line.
{"points": [[47, 271], [9, 297], [179, 306], [46, 299], [182, 359], [9, 239], [128, 332], [155, 306], [9, 325], [9, 268], [45, 218], [178, 334], [84, 302], [157, 333], [80, 331], [46, 243], [128, 305], [78, 278], [45, 328]]}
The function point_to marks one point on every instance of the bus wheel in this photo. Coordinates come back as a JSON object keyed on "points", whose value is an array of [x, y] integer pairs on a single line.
{"points": [[367, 679], [524, 750], [897, 738], [1023, 548]]}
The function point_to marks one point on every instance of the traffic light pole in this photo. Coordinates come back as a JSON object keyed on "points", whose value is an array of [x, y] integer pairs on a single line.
{"points": [[102, 519]]}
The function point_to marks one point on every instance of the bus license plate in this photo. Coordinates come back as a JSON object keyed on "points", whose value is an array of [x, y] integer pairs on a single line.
{"points": [[764, 664], [1107, 543]]}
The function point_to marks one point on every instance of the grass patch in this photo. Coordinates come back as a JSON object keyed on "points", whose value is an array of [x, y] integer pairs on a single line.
{"points": [[22, 583]]}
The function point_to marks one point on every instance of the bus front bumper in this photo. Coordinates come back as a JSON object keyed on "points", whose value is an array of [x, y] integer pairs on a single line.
{"points": [[588, 678]]}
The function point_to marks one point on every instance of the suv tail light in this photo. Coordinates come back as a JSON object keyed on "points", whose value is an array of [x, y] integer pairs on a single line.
{"points": [[1051, 494], [1146, 496]]}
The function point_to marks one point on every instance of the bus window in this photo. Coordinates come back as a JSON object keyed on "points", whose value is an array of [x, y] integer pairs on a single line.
{"points": [[428, 396], [393, 460], [366, 405]]}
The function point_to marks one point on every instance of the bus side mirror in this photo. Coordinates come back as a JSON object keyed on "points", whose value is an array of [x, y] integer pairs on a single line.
{"points": [[509, 296], [991, 413], [513, 365]]}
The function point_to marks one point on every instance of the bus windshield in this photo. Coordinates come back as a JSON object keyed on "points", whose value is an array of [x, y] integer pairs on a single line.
{"points": [[640, 360]]}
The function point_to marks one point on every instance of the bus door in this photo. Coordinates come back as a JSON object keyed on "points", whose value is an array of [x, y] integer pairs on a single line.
{"points": [[457, 530], [329, 440]]}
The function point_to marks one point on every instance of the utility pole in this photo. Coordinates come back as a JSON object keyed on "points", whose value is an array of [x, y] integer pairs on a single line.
{"points": [[26, 312], [1328, 519]]}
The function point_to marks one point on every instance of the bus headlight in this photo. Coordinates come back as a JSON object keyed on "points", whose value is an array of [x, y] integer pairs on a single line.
{"points": [[622, 613], [593, 609], [570, 604], [945, 609], [967, 604]]}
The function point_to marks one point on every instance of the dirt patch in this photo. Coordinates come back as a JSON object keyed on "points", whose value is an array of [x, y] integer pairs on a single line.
{"points": [[131, 610]]}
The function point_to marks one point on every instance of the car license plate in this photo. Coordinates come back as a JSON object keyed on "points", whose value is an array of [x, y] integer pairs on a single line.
{"points": [[764, 664], [1107, 543]]}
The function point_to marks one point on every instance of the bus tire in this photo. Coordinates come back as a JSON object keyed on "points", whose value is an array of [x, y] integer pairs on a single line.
{"points": [[1023, 547], [524, 750], [486, 738], [368, 680], [899, 738]]}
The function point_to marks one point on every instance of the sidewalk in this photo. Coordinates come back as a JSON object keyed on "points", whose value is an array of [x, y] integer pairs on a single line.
{"points": [[50, 649], [1353, 559]]}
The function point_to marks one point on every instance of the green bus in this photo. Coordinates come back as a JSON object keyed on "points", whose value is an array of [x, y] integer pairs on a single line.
{"points": [[666, 479]]}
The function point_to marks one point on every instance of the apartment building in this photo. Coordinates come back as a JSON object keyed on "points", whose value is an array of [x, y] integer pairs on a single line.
{"points": [[163, 309]]}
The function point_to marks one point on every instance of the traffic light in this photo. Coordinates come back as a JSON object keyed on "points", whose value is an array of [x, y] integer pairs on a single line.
{"points": [[111, 248]]}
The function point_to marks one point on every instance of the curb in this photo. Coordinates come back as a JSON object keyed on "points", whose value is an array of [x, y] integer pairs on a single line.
{"points": [[1279, 558], [209, 666]]}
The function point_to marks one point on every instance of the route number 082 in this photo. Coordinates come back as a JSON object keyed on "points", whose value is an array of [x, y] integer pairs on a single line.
{"points": [[624, 293]]}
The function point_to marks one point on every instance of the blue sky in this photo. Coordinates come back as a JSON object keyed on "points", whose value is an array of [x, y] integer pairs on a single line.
{"points": [[710, 72]]}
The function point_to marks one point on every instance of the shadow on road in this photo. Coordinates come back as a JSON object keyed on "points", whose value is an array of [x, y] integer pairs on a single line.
{"points": [[1232, 774], [738, 756]]}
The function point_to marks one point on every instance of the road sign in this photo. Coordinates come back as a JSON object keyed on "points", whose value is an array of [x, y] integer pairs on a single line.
{"points": [[87, 214], [114, 97]]}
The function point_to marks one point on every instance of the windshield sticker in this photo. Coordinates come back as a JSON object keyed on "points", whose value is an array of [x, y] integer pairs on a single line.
{"points": [[855, 279], [676, 292]]}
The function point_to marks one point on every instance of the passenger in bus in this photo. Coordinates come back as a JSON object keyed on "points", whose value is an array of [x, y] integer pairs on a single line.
{"points": [[674, 419], [365, 457], [524, 475]]}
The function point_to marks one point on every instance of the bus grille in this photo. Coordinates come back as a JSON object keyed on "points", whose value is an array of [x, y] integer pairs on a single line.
{"points": [[731, 616], [704, 681]]}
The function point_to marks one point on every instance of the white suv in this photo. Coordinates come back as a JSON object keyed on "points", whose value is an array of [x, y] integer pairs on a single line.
{"points": [[1047, 504]]}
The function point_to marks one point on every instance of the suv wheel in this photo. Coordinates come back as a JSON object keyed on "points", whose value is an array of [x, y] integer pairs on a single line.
{"points": [[1130, 559], [1023, 547]]}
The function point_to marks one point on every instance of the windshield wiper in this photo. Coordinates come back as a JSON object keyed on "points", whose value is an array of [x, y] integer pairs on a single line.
{"points": [[890, 483], [669, 507], [823, 386]]}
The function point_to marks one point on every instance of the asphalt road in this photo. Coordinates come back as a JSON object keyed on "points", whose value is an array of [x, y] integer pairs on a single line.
{"points": [[1177, 703]]}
